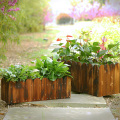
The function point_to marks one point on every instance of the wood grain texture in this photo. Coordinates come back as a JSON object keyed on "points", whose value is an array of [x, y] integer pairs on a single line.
{"points": [[35, 90], [94, 80]]}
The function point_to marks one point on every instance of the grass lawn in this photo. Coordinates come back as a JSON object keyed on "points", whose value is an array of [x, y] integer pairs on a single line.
{"points": [[32, 46]]}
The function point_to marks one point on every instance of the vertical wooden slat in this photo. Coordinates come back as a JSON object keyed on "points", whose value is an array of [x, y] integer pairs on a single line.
{"points": [[79, 77], [36, 88], [43, 89], [29, 90], [68, 87], [21, 92], [74, 74], [14, 92], [95, 80], [104, 81], [60, 88], [90, 79], [53, 90], [10, 95], [48, 89], [100, 84], [3, 90], [111, 78], [64, 88], [107, 75], [18, 86], [84, 79], [116, 80]]}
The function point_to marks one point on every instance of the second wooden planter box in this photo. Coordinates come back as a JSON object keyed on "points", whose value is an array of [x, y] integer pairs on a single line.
{"points": [[35, 90], [94, 80]]}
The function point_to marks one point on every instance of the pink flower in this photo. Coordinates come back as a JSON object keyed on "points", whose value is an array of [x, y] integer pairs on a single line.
{"points": [[10, 3], [11, 9], [17, 9], [102, 47], [3, 8], [104, 39]]}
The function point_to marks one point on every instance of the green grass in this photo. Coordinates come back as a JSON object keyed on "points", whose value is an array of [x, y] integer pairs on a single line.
{"points": [[31, 46], [38, 54]]}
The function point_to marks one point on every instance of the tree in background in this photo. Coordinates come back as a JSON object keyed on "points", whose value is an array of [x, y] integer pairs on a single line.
{"points": [[31, 17], [8, 31]]}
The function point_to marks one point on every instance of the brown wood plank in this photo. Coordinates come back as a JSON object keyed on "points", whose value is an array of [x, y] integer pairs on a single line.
{"points": [[60, 88], [111, 78], [29, 90], [18, 87], [116, 80], [63, 88], [21, 91], [79, 74], [57, 88], [108, 78], [95, 80], [14, 92], [10, 95], [36, 89], [84, 80], [104, 82], [48, 89], [40, 82], [3, 90], [90, 79], [43, 89], [101, 79], [68, 87], [74, 74], [53, 89]]}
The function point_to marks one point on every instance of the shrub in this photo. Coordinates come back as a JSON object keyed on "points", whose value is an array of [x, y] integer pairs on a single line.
{"points": [[63, 18]]}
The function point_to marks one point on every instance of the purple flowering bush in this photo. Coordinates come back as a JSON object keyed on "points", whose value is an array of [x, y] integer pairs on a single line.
{"points": [[86, 10]]}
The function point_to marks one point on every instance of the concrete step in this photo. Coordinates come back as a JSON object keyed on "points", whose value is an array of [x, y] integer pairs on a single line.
{"points": [[30, 113], [76, 100]]}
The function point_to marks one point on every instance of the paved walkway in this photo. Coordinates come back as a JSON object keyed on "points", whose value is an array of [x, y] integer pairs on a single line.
{"points": [[78, 107], [29, 113]]}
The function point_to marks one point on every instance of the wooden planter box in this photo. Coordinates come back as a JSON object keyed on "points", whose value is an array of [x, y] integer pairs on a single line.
{"points": [[35, 90], [94, 80]]}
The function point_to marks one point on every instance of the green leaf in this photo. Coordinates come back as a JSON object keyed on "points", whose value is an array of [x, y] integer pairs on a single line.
{"points": [[110, 46], [101, 53], [96, 43], [56, 50], [44, 57], [95, 49], [60, 44]]}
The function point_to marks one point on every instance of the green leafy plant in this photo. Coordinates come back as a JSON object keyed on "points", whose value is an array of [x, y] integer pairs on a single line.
{"points": [[51, 68], [84, 51], [19, 73]]}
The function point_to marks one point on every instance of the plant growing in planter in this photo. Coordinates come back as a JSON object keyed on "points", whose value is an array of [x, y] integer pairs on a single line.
{"points": [[94, 65], [48, 79]]}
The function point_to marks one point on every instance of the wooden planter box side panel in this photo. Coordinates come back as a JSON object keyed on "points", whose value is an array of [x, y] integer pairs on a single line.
{"points": [[35, 90], [94, 80]]}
